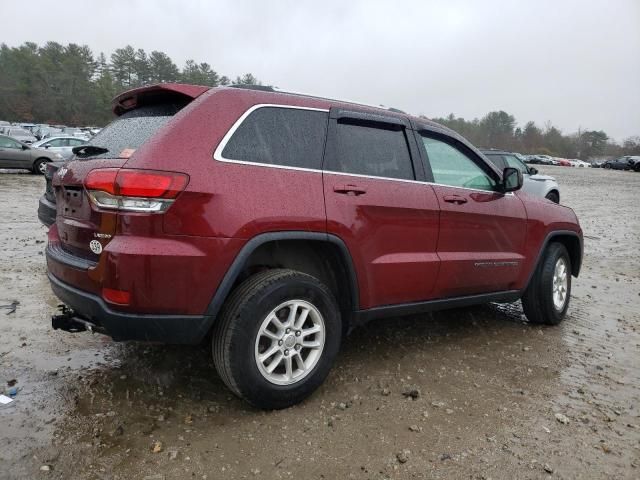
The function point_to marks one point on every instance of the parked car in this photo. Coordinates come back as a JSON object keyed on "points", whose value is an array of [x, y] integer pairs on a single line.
{"points": [[542, 160], [285, 223], [61, 145], [43, 132], [20, 134], [627, 162], [534, 183], [563, 162], [580, 164], [47, 202], [74, 132], [14, 154]]}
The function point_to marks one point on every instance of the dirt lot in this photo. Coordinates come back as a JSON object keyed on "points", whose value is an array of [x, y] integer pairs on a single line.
{"points": [[489, 385]]}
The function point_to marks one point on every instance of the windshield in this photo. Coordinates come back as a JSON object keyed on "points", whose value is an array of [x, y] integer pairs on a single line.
{"points": [[131, 130]]}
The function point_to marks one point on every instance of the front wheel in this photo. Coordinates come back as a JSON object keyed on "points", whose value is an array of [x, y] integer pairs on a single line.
{"points": [[546, 299], [277, 338]]}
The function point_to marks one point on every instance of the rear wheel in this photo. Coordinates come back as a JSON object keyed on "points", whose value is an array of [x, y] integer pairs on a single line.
{"points": [[40, 166], [606, 165], [546, 299], [553, 196], [277, 338]]}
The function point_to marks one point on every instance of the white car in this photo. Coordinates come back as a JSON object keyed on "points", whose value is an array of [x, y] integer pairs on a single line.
{"points": [[60, 144], [534, 182], [580, 163]]}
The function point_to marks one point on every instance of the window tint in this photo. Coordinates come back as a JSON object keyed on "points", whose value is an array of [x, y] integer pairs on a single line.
{"points": [[58, 142], [280, 136], [73, 142], [452, 167], [370, 150]]}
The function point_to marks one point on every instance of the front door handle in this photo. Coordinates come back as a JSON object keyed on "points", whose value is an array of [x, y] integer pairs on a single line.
{"points": [[457, 199], [349, 190]]}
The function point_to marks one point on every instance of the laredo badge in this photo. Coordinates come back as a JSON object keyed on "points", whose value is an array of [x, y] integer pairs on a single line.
{"points": [[95, 246]]}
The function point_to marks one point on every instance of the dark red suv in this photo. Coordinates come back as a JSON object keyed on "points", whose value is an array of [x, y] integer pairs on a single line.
{"points": [[273, 223]]}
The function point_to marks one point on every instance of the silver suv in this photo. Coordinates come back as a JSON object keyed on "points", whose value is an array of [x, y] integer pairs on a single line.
{"points": [[534, 183]]}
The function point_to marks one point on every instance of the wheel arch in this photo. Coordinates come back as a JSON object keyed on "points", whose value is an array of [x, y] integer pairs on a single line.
{"points": [[571, 240], [555, 190], [320, 254]]}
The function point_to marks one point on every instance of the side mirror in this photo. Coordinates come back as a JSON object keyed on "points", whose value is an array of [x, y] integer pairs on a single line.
{"points": [[47, 146], [24, 147], [533, 171], [511, 179]]}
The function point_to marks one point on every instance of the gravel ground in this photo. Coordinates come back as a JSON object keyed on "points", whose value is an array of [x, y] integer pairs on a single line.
{"points": [[487, 395]]}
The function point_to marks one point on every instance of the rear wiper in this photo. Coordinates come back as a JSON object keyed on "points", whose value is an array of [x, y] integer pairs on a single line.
{"points": [[86, 150]]}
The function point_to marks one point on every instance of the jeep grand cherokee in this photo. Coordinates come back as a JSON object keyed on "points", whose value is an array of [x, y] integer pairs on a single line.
{"points": [[273, 223]]}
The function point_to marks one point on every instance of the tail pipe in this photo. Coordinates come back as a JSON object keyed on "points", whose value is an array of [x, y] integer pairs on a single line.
{"points": [[69, 321]]}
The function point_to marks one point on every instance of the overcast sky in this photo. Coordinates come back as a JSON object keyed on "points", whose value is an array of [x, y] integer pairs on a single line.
{"points": [[574, 63]]}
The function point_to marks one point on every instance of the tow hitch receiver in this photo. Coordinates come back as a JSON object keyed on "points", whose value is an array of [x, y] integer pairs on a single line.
{"points": [[68, 321]]}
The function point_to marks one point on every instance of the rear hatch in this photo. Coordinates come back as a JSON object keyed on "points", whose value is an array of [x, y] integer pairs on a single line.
{"points": [[84, 229]]}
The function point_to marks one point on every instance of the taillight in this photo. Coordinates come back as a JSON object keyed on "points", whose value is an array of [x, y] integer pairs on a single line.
{"points": [[134, 190]]}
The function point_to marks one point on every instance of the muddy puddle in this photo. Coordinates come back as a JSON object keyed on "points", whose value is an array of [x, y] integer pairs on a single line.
{"points": [[468, 393]]}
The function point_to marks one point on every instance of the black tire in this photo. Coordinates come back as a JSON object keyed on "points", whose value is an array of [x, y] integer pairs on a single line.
{"points": [[38, 166], [537, 301], [606, 165], [235, 333], [553, 196]]}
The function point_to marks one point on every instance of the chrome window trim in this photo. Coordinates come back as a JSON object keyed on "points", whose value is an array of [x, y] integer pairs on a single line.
{"points": [[217, 154]]}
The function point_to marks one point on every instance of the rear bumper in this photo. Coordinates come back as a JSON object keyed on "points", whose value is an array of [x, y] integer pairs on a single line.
{"points": [[174, 329], [46, 211]]}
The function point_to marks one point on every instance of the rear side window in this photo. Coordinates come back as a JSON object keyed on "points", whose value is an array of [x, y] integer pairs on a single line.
{"points": [[370, 149], [132, 129], [291, 137]]}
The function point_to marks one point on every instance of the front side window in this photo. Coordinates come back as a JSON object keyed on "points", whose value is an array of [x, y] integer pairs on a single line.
{"points": [[370, 149], [452, 167], [291, 137]]}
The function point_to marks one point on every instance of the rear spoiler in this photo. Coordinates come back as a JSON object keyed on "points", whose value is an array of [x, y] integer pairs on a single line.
{"points": [[155, 93]]}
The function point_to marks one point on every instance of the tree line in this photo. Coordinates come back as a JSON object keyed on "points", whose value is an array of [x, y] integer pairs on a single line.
{"points": [[68, 84], [500, 130]]}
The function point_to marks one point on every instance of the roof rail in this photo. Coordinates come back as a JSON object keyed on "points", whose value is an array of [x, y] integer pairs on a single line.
{"points": [[262, 88]]}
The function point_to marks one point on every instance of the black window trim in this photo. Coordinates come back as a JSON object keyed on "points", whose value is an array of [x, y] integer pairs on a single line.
{"points": [[217, 154], [374, 120]]}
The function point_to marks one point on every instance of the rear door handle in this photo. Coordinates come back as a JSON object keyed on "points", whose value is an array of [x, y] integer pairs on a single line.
{"points": [[457, 199], [349, 190]]}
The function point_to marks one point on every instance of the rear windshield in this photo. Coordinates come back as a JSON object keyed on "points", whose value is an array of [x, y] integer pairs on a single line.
{"points": [[132, 129]]}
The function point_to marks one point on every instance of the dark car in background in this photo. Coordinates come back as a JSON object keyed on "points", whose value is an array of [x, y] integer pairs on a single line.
{"points": [[47, 202], [628, 162]]}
